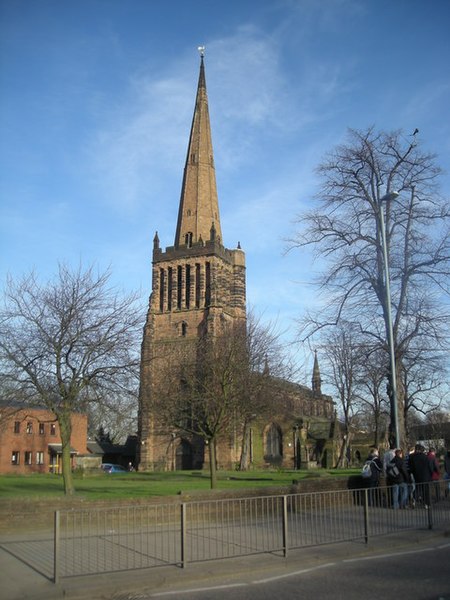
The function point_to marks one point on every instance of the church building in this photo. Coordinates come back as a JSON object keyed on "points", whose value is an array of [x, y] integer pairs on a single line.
{"points": [[198, 287]]}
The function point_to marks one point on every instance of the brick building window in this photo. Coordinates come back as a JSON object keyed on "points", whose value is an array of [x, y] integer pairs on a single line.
{"points": [[39, 458], [41, 428], [30, 427], [15, 457], [16, 426], [28, 457], [52, 429]]}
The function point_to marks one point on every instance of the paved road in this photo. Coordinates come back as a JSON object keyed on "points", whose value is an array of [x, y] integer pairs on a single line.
{"points": [[422, 574], [328, 571]]}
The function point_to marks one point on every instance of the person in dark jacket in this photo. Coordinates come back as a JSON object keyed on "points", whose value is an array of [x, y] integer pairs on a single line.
{"points": [[447, 472], [397, 476], [435, 472], [420, 468], [376, 467]]}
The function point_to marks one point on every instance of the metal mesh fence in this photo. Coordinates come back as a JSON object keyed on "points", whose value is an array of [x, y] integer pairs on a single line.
{"points": [[136, 537]]}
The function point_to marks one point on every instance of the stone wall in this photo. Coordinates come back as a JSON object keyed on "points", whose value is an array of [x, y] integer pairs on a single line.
{"points": [[22, 515]]}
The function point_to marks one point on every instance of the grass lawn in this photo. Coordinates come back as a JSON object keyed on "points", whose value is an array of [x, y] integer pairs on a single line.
{"points": [[140, 485]]}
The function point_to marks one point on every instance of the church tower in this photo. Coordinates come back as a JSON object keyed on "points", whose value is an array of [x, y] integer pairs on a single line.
{"points": [[198, 285]]}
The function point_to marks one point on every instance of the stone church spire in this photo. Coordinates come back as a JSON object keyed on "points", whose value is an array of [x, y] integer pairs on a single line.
{"points": [[199, 207]]}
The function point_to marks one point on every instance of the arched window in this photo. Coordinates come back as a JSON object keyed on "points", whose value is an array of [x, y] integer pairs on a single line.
{"points": [[184, 329], [188, 239], [274, 445]]}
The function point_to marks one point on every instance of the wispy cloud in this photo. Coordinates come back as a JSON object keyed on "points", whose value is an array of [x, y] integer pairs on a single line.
{"points": [[140, 143], [427, 101], [142, 138]]}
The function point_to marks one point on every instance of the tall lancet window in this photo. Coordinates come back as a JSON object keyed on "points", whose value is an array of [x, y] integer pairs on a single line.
{"points": [[197, 285], [162, 288], [208, 284], [169, 288], [188, 286], [179, 286]]}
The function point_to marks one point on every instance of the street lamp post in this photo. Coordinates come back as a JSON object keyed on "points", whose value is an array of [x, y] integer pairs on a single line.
{"points": [[295, 440], [390, 329]]}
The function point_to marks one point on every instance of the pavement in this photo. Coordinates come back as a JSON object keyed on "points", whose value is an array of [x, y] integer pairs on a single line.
{"points": [[19, 581]]}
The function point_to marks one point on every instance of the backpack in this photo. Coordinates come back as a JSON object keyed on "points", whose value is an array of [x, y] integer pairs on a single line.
{"points": [[366, 472], [392, 471]]}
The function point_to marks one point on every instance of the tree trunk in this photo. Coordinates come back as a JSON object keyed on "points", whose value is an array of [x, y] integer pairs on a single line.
{"points": [[212, 463], [65, 427], [402, 441], [376, 433], [343, 451], [245, 451]]}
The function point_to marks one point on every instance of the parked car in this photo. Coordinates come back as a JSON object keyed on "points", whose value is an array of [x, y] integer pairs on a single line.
{"points": [[116, 469], [105, 466]]}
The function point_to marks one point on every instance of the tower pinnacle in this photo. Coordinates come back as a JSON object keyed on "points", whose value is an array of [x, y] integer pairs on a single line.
{"points": [[316, 380]]}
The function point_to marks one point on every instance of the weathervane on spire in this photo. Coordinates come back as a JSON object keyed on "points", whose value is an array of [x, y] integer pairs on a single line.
{"points": [[201, 49]]}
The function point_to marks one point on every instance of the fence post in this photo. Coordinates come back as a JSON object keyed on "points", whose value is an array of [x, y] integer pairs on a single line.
{"points": [[56, 546], [366, 515], [431, 491], [285, 527], [183, 536]]}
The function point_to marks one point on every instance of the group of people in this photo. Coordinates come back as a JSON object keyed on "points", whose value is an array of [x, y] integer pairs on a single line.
{"points": [[409, 476]]}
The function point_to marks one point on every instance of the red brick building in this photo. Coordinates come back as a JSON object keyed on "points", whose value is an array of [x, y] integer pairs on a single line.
{"points": [[30, 440]]}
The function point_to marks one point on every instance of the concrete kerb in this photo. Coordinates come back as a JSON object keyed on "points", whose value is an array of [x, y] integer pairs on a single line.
{"points": [[19, 581]]}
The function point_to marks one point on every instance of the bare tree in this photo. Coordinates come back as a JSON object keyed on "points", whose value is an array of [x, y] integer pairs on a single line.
{"points": [[214, 386], [116, 415], [343, 354], [199, 389], [358, 179], [69, 343], [424, 378], [267, 364], [373, 383]]}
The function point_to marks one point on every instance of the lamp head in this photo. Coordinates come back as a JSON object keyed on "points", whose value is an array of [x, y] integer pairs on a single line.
{"points": [[389, 196]]}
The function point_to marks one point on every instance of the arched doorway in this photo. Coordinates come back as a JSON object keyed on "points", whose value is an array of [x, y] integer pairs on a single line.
{"points": [[183, 456]]}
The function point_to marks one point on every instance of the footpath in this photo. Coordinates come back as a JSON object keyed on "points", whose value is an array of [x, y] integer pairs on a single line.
{"points": [[19, 581]]}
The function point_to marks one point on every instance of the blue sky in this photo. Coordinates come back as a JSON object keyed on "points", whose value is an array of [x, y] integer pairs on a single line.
{"points": [[96, 101]]}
